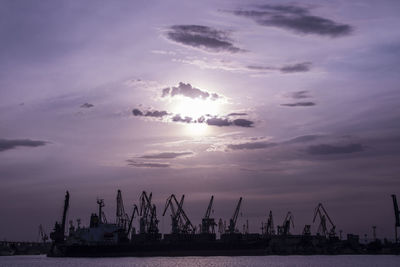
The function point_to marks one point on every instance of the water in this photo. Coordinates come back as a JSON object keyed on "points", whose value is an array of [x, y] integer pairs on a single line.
{"points": [[265, 261]]}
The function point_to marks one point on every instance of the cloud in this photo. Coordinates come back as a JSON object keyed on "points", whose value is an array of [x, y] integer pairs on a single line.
{"points": [[237, 114], [292, 68], [6, 144], [299, 104], [186, 89], [325, 149], [153, 113], [251, 145], [87, 105], [207, 119], [302, 139], [147, 164], [295, 18], [299, 67], [243, 123], [218, 121], [178, 118], [299, 95], [167, 155], [203, 37]]}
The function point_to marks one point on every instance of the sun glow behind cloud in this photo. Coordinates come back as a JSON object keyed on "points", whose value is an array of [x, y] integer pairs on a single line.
{"points": [[195, 108]]}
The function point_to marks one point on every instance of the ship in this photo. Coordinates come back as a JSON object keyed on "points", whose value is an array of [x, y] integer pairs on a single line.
{"points": [[120, 238]]}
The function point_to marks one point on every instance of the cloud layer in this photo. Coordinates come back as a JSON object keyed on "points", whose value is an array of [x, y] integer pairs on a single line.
{"points": [[295, 18], [203, 37]]}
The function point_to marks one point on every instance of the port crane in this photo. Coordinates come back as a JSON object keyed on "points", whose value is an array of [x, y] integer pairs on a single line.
{"points": [[58, 234], [148, 215], [323, 216], [122, 218], [135, 211], [269, 228], [284, 229], [397, 217], [180, 221], [232, 222], [208, 224]]}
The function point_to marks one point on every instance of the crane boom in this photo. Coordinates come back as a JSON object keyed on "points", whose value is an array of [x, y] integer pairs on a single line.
{"points": [[396, 211], [208, 211], [235, 215], [232, 221]]}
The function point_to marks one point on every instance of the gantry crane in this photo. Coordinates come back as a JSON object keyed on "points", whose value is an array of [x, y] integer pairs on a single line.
{"points": [[58, 234], [284, 229], [148, 215], [122, 218], [180, 221], [232, 222], [396, 216], [135, 211], [322, 228], [270, 228], [208, 224]]}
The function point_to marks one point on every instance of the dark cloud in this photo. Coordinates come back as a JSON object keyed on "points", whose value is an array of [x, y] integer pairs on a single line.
{"points": [[137, 112], [6, 144], [167, 155], [150, 113], [292, 68], [202, 37], [299, 67], [250, 145], [147, 164], [295, 18], [156, 113], [87, 105], [186, 89], [218, 121], [325, 149], [299, 95], [208, 119], [243, 123], [178, 118], [299, 104]]}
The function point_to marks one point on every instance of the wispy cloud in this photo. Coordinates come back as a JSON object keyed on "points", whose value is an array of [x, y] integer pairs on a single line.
{"points": [[147, 164], [167, 155], [295, 18], [299, 104]]}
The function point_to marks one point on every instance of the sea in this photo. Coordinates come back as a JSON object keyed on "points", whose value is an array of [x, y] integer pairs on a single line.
{"points": [[265, 261]]}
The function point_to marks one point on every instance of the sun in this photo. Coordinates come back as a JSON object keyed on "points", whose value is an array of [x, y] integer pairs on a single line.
{"points": [[195, 108]]}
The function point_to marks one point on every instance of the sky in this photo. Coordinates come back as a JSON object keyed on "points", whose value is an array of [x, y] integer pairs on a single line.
{"points": [[286, 104]]}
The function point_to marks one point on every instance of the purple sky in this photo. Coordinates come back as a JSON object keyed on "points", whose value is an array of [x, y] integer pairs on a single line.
{"points": [[285, 104]]}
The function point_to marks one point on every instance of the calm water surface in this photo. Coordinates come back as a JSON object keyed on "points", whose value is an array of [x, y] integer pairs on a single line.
{"points": [[297, 261]]}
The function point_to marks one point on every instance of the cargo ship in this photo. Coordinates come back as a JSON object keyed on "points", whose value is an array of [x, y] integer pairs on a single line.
{"points": [[120, 238]]}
